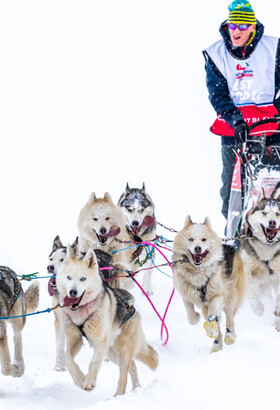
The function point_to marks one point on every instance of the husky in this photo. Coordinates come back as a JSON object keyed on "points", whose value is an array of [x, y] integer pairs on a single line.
{"points": [[55, 260], [102, 226], [105, 317], [14, 302], [139, 211], [56, 257], [209, 276], [261, 250]]}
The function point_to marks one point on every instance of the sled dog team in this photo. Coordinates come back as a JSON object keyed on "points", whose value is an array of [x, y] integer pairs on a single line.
{"points": [[211, 278]]}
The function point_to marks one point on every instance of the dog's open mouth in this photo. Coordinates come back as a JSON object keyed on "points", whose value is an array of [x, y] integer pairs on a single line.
{"points": [[52, 286], [198, 257], [147, 221], [135, 229], [270, 233], [103, 238], [72, 303]]}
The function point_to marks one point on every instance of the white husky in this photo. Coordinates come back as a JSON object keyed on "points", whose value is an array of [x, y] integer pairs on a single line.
{"points": [[105, 317], [101, 225]]}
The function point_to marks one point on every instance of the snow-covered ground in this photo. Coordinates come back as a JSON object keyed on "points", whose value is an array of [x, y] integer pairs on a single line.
{"points": [[95, 94]]}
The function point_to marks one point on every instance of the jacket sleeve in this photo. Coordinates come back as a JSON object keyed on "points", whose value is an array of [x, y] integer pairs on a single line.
{"points": [[219, 95], [277, 78]]}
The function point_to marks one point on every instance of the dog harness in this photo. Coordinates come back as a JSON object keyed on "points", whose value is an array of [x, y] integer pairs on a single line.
{"points": [[130, 312], [228, 252], [6, 288], [203, 290]]}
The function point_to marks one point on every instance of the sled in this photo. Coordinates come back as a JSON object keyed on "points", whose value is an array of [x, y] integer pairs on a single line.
{"points": [[257, 166]]}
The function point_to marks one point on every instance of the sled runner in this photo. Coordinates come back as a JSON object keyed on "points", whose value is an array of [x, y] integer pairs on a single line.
{"points": [[257, 165]]}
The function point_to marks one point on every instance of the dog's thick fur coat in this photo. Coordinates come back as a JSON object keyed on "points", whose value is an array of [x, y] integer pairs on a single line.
{"points": [[14, 302], [261, 250], [55, 260], [139, 211], [101, 225], [105, 317], [210, 277]]}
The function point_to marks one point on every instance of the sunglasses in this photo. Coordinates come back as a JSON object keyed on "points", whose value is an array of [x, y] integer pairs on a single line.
{"points": [[242, 27]]}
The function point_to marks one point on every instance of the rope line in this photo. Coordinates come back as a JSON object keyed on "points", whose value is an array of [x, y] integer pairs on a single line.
{"points": [[48, 310]]}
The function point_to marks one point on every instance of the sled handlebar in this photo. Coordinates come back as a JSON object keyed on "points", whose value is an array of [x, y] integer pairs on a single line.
{"points": [[266, 121]]}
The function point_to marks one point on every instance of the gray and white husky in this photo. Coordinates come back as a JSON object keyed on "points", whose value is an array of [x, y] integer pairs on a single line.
{"points": [[14, 302], [261, 250], [105, 317], [56, 257], [139, 211]]}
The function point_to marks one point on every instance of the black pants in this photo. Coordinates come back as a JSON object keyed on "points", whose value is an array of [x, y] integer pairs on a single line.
{"points": [[228, 161]]}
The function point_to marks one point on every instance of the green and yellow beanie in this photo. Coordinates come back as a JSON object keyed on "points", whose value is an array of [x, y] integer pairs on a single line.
{"points": [[241, 12]]}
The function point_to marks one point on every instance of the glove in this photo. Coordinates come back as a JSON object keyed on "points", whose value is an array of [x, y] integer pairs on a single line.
{"points": [[241, 131]]}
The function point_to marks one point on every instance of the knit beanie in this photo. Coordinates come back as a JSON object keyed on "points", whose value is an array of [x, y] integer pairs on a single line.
{"points": [[241, 12]]}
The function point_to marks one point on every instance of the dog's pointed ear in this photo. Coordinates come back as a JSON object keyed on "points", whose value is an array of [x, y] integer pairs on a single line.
{"points": [[188, 222], [261, 195], [75, 246], [207, 222], [70, 254], [276, 192], [107, 197], [90, 258], [143, 189], [92, 198], [127, 189], [57, 243]]}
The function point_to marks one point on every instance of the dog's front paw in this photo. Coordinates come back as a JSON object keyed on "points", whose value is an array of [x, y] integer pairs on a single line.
{"points": [[78, 379], [212, 328], [194, 318], [216, 347], [230, 337], [17, 369], [89, 383], [59, 367]]}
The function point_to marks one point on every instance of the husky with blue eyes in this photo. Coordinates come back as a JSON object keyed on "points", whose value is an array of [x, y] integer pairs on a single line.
{"points": [[209, 277], [105, 317]]}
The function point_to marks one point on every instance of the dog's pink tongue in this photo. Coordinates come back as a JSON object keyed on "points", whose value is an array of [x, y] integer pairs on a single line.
{"points": [[112, 232], [273, 230], [70, 301], [51, 286], [148, 220]]}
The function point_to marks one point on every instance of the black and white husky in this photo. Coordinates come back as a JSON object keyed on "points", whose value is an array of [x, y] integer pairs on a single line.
{"points": [[261, 250], [139, 211]]}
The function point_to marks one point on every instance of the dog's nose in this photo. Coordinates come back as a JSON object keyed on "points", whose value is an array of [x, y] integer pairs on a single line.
{"points": [[197, 249], [135, 223], [272, 223], [73, 293], [103, 230], [50, 268]]}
